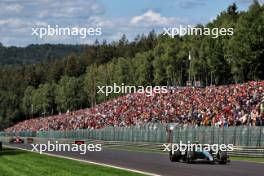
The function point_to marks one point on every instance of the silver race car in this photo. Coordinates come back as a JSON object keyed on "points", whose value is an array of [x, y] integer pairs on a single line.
{"points": [[199, 155]]}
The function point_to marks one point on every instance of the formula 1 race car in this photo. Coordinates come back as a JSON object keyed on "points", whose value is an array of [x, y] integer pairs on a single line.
{"points": [[16, 140], [199, 156]]}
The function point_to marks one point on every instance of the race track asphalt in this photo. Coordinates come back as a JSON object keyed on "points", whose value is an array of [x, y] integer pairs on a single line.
{"points": [[159, 163]]}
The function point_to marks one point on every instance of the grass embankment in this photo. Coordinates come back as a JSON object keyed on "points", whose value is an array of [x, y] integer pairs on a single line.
{"points": [[15, 162]]}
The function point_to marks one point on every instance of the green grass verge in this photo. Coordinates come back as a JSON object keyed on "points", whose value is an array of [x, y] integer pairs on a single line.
{"points": [[251, 159], [21, 163]]}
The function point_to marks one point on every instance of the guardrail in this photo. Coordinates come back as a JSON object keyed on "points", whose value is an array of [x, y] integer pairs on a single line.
{"points": [[158, 133], [143, 146]]}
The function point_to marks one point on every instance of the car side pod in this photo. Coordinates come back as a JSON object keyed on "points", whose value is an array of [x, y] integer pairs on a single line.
{"points": [[208, 155]]}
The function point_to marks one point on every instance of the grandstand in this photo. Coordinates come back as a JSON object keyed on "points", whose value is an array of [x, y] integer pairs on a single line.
{"points": [[222, 106]]}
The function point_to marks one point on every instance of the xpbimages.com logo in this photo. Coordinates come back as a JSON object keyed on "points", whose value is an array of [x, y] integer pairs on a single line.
{"points": [[59, 147], [65, 31], [128, 89], [189, 30], [183, 147]]}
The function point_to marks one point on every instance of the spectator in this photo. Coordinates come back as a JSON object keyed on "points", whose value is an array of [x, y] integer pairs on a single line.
{"points": [[223, 106]]}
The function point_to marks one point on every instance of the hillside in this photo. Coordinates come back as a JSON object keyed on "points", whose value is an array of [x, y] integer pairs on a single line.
{"points": [[70, 83], [36, 53]]}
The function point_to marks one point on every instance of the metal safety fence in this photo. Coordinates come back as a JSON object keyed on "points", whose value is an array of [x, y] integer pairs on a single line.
{"points": [[247, 136]]}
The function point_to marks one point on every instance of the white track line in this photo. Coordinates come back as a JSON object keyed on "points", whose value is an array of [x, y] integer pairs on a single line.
{"points": [[89, 162]]}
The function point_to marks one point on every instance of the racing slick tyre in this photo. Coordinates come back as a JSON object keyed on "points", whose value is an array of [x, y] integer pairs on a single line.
{"points": [[175, 157], [222, 157], [190, 156]]}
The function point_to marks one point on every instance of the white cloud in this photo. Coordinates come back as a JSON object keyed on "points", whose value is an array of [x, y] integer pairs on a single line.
{"points": [[101, 22], [153, 19], [51, 8], [13, 8], [17, 23], [69, 8], [78, 13], [17, 18], [150, 17], [12, 23]]}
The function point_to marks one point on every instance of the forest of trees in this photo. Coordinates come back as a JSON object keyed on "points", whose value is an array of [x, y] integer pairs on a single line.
{"points": [[51, 85], [36, 53]]}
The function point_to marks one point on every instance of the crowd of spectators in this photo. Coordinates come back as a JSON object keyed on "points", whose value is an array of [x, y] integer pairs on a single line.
{"points": [[223, 106]]}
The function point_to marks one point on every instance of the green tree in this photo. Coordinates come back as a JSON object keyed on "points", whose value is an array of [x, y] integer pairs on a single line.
{"points": [[69, 94]]}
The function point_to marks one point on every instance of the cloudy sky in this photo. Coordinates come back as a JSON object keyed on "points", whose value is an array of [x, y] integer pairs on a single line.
{"points": [[115, 17]]}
